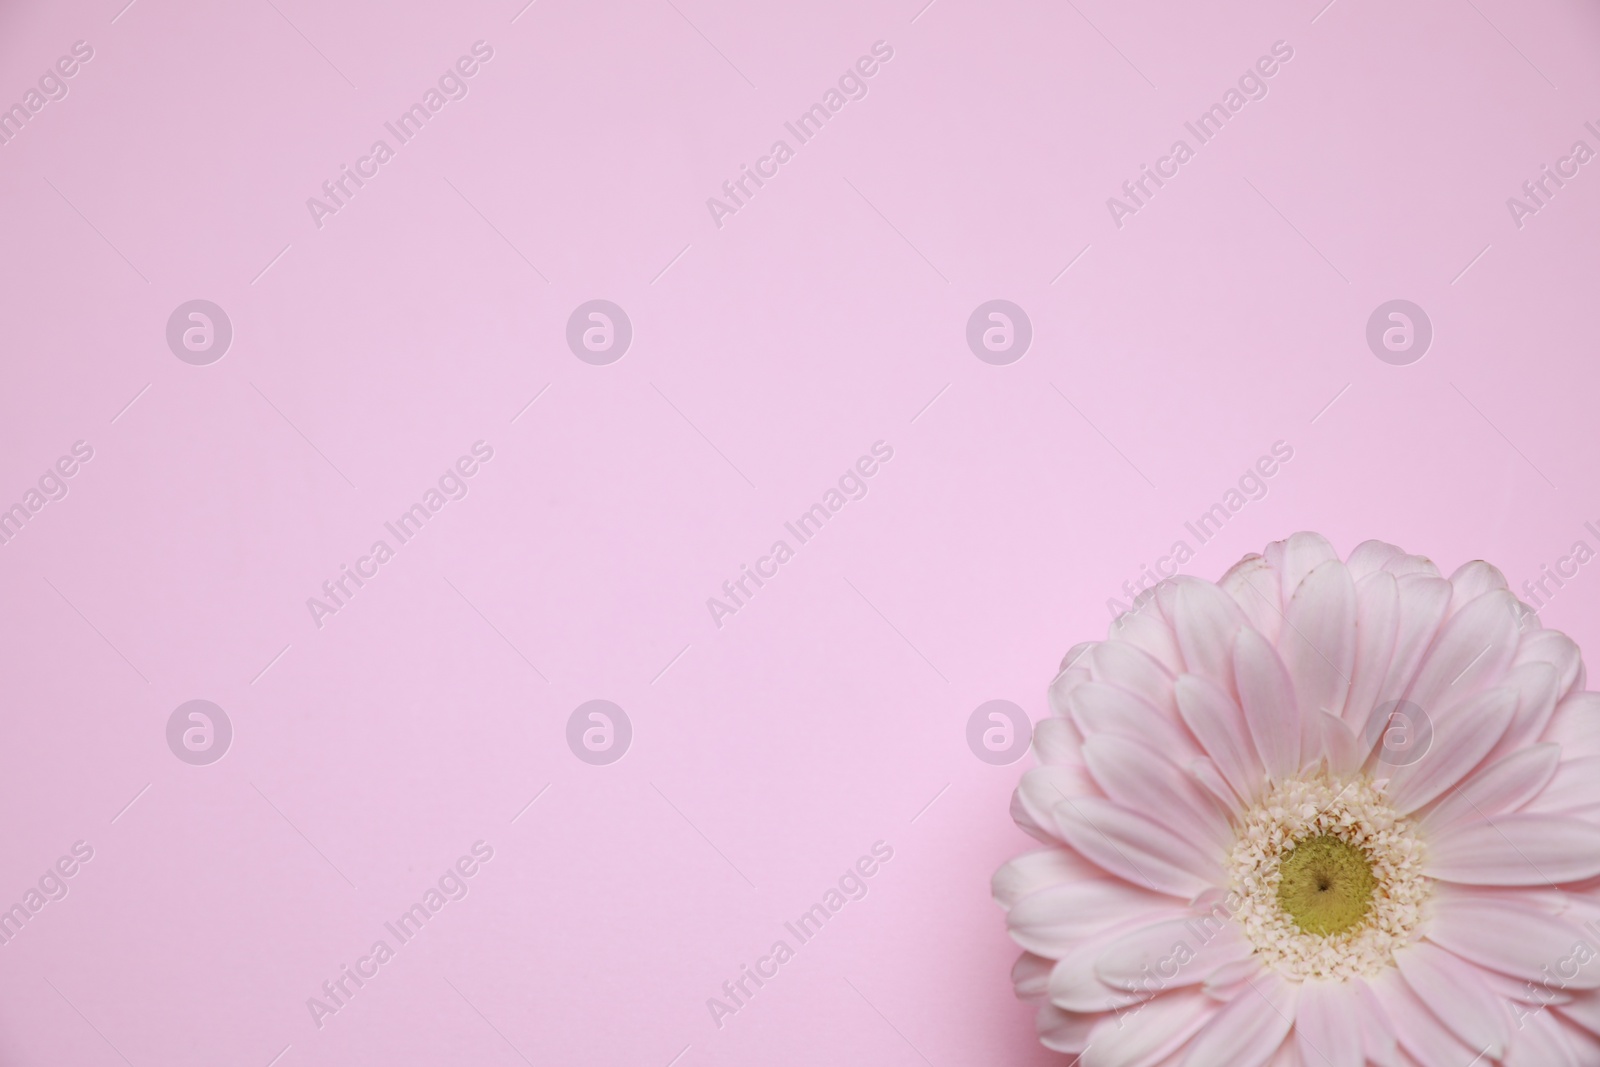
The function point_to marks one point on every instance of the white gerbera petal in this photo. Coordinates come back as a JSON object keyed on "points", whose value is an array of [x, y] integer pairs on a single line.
{"points": [[1135, 848], [1043, 868], [1417, 1029], [1040, 790], [1218, 723], [1576, 725], [1148, 783], [1205, 620], [1064, 683], [1231, 979], [1473, 580], [1098, 708], [1496, 931], [1423, 600], [1206, 775], [1573, 789], [1377, 623], [1502, 786], [1406, 565], [1473, 649], [1537, 688], [1297, 556], [1583, 1012], [1074, 986], [1253, 584], [1147, 630], [1052, 921], [1542, 1043], [1288, 1055], [1249, 1029], [1459, 743], [1064, 1031], [1322, 1024], [1378, 1039], [1319, 639], [1075, 655], [1516, 850], [1267, 697], [1057, 742], [1131, 668], [1340, 747], [1450, 987], [1030, 976], [1371, 557], [1585, 1045], [1143, 960], [1556, 649], [1515, 991], [1147, 1033]]}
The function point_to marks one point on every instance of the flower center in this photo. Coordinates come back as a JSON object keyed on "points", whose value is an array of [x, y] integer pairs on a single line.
{"points": [[1325, 884], [1325, 878]]}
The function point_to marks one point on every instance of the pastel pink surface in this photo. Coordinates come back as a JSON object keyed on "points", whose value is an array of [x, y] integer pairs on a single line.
{"points": [[374, 746]]}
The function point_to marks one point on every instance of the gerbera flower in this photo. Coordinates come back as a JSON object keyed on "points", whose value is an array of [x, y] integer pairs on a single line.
{"points": [[1323, 813]]}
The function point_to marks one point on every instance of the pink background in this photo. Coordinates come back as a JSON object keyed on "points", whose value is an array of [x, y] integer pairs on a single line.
{"points": [[824, 316]]}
